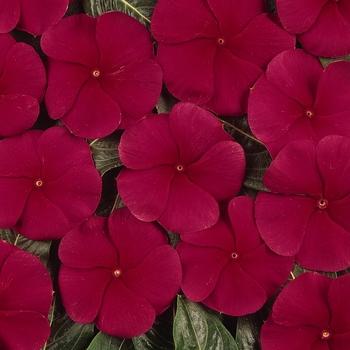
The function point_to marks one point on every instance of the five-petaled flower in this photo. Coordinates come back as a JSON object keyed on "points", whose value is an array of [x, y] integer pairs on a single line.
{"points": [[311, 313], [297, 99], [25, 299], [322, 27], [32, 16], [118, 273], [213, 51], [228, 267], [308, 212], [178, 167], [102, 74], [43, 194], [22, 86]]}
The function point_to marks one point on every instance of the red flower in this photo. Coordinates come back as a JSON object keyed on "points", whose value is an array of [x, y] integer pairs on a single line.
{"points": [[22, 86], [26, 294], [42, 191], [213, 51], [297, 99], [311, 313], [119, 273], [228, 267], [177, 167], [32, 16], [101, 73], [323, 26], [307, 214]]}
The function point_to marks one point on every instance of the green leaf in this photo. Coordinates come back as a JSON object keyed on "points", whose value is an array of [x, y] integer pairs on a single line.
{"points": [[69, 335], [198, 329], [325, 61], [248, 332], [39, 248], [140, 9], [103, 341], [105, 153]]}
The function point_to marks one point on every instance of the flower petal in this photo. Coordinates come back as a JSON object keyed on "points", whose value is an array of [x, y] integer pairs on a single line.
{"points": [[94, 114], [157, 278], [282, 220], [189, 207], [220, 171], [135, 87], [6, 41], [65, 80], [340, 341], [333, 124], [82, 291], [134, 239], [189, 80], [148, 143], [9, 15], [73, 39], [18, 114], [149, 203], [338, 212], [135, 315], [201, 268], [174, 22], [326, 245], [191, 127]]}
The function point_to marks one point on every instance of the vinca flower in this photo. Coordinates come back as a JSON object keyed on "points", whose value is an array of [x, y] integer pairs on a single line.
{"points": [[118, 273], [22, 86], [101, 73], [178, 167], [311, 313], [213, 51], [228, 267], [306, 213], [48, 183], [26, 295]]}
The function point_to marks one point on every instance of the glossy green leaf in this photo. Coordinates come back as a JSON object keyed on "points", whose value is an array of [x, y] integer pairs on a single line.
{"points": [[39, 248], [325, 61], [195, 328], [140, 9], [103, 341], [248, 332], [105, 153]]}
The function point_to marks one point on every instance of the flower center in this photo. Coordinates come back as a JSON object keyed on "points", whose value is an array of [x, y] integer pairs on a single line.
{"points": [[96, 73], [38, 183], [234, 256], [179, 168], [221, 41], [322, 203], [309, 113], [325, 334], [117, 273]]}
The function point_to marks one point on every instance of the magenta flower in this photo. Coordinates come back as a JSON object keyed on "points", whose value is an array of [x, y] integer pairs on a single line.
{"points": [[118, 273], [213, 51], [26, 294], [101, 73], [322, 27], [311, 313], [178, 166], [307, 213], [42, 191], [228, 267], [32, 16], [22, 85], [297, 99]]}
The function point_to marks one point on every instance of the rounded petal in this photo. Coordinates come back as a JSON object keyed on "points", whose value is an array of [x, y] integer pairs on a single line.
{"points": [[135, 88], [82, 291], [338, 212], [94, 113], [174, 22], [191, 127], [6, 42], [9, 15], [157, 278], [148, 143], [135, 314], [333, 124], [6, 250], [220, 171], [282, 220], [189, 207], [201, 268], [149, 203], [65, 80], [73, 39], [189, 80], [18, 114]]}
